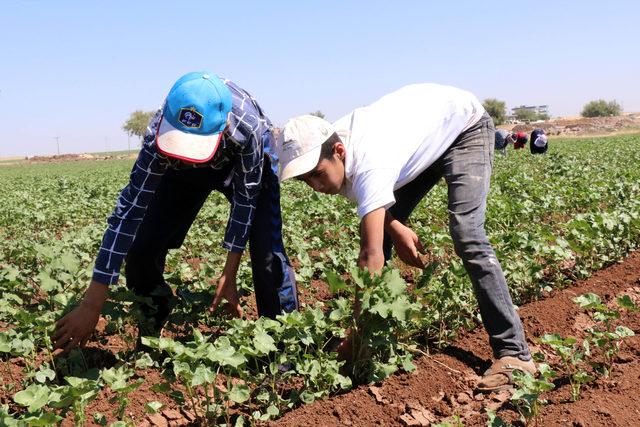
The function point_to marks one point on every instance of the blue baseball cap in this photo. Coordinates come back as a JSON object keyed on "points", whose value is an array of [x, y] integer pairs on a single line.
{"points": [[194, 117]]}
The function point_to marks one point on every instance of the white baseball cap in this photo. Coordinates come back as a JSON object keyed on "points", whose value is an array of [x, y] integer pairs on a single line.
{"points": [[300, 143]]}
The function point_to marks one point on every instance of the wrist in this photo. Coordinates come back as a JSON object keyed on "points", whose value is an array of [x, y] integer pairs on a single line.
{"points": [[95, 297], [231, 265]]}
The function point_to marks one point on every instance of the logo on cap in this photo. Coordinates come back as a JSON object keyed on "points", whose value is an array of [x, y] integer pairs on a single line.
{"points": [[190, 118]]}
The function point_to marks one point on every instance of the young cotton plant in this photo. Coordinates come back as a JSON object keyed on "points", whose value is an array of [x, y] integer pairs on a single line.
{"points": [[118, 380], [526, 398], [606, 338], [294, 346], [36, 398], [380, 326], [572, 356], [197, 365]]}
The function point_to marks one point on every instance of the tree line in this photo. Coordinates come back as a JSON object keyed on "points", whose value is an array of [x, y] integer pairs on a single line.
{"points": [[497, 109]]}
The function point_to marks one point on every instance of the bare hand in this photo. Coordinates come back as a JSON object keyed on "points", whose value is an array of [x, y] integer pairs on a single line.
{"points": [[227, 290], [407, 244], [74, 329]]}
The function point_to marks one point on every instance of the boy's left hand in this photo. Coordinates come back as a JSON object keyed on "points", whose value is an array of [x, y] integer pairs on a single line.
{"points": [[407, 244]]}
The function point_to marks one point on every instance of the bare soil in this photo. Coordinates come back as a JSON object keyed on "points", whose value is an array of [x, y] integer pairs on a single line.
{"points": [[442, 386], [584, 126]]}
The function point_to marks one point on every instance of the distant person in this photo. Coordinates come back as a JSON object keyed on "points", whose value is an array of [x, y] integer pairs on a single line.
{"points": [[386, 157], [520, 140], [539, 142], [503, 139], [209, 135]]}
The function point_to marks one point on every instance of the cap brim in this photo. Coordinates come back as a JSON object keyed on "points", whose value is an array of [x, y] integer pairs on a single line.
{"points": [[186, 146], [301, 165]]}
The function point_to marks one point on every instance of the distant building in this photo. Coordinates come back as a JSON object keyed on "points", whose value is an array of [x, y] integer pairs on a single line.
{"points": [[540, 110]]}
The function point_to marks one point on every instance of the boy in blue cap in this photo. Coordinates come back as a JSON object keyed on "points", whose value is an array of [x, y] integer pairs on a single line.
{"points": [[209, 135]]}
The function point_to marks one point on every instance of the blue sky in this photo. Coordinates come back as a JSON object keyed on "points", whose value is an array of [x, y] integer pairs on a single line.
{"points": [[78, 69]]}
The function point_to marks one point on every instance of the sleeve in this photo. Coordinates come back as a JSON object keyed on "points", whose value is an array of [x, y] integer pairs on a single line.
{"points": [[373, 189], [130, 208], [247, 179]]}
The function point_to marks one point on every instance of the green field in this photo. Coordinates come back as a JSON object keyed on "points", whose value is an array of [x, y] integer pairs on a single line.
{"points": [[551, 219]]}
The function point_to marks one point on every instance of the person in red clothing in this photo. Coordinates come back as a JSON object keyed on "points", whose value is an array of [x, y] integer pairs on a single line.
{"points": [[520, 140]]}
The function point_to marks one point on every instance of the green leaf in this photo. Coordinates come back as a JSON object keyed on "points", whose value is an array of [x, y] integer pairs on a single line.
{"points": [[33, 397], [336, 284], [589, 300], [99, 419], [153, 407], [43, 419], [627, 303], [43, 374], [47, 283], [263, 342], [239, 393], [395, 283], [144, 361], [624, 332], [273, 411]]}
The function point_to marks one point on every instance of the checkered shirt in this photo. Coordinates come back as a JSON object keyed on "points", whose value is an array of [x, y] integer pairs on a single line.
{"points": [[243, 145]]}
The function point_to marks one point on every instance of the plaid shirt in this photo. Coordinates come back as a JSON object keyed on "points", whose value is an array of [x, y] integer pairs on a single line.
{"points": [[243, 144]]}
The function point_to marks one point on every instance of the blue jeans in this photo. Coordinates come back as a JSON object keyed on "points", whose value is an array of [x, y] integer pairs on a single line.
{"points": [[175, 205], [466, 167]]}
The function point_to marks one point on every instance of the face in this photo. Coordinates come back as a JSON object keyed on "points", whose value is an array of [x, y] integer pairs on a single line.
{"points": [[328, 176]]}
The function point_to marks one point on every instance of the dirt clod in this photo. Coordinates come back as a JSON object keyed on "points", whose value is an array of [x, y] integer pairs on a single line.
{"points": [[158, 420]]}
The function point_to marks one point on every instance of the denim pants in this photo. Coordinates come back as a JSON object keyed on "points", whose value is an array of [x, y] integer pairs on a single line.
{"points": [[176, 203], [466, 167]]}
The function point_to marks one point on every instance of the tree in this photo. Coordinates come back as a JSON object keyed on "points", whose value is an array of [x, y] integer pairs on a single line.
{"points": [[497, 109], [525, 115], [601, 108], [318, 113], [137, 123]]}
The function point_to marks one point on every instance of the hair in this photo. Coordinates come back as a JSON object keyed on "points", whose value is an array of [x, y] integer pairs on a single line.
{"points": [[327, 147]]}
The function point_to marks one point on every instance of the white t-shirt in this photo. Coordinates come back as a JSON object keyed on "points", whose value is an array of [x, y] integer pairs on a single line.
{"points": [[390, 142]]}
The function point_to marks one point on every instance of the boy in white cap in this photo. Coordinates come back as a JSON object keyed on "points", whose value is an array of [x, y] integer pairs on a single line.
{"points": [[209, 135], [386, 157]]}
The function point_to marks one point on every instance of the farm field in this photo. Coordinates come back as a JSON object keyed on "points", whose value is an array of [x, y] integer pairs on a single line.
{"points": [[553, 221]]}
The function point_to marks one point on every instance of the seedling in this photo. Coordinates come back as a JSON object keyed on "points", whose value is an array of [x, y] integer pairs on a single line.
{"points": [[573, 357], [606, 338], [526, 398]]}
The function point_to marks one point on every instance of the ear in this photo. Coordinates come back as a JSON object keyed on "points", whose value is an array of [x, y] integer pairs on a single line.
{"points": [[339, 150]]}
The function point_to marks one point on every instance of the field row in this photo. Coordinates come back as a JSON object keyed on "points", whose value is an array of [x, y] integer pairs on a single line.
{"points": [[551, 219]]}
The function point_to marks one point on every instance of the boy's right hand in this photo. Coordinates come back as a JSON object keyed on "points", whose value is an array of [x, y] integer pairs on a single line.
{"points": [[75, 328]]}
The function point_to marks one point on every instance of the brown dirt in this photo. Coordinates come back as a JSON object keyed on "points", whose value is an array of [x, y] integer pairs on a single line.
{"points": [[583, 126], [441, 387]]}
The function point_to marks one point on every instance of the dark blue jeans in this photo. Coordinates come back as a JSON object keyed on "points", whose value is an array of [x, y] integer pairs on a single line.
{"points": [[466, 167], [175, 205]]}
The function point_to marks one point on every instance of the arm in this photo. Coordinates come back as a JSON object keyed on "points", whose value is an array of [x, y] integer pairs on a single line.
{"points": [[371, 238], [76, 327], [131, 208], [227, 288], [405, 240], [247, 183]]}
